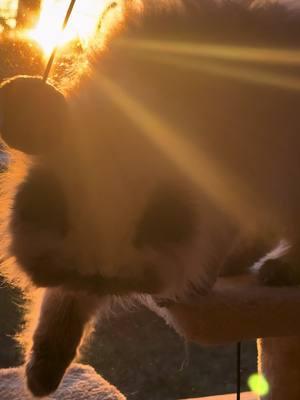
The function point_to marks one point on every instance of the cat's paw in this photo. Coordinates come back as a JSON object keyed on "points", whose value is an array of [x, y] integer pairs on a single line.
{"points": [[44, 374], [275, 272]]}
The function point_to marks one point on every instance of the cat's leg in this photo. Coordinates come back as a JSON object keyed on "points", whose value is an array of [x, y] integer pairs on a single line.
{"points": [[278, 272], [284, 270], [63, 317]]}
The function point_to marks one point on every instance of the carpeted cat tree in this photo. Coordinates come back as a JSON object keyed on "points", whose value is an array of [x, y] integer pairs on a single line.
{"points": [[237, 309], [241, 309], [81, 382]]}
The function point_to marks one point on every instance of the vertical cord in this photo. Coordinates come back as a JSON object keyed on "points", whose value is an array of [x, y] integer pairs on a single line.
{"points": [[51, 59], [238, 371]]}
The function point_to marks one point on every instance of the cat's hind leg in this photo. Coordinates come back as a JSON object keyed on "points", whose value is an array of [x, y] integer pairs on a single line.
{"points": [[283, 270]]}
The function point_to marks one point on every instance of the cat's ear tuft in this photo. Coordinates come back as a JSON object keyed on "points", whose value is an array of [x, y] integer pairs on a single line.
{"points": [[33, 115]]}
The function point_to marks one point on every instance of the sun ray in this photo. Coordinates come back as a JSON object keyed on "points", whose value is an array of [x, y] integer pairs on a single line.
{"points": [[227, 191], [221, 52], [236, 72]]}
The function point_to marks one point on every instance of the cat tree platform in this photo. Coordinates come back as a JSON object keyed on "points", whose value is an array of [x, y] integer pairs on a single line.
{"points": [[241, 309]]}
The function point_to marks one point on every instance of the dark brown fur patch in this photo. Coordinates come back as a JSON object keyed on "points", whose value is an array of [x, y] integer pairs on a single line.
{"points": [[48, 271], [277, 272], [35, 115], [40, 202], [169, 219]]}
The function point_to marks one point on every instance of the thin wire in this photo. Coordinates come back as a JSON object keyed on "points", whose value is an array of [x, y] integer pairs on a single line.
{"points": [[238, 371], [53, 54]]}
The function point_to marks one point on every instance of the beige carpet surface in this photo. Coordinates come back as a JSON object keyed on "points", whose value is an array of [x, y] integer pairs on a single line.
{"points": [[81, 382]]}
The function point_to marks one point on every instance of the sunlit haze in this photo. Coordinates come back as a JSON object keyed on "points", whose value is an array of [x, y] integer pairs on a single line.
{"points": [[82, 24]]}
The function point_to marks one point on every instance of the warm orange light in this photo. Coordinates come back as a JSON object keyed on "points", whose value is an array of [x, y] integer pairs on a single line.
{"points": [[82, 24]]}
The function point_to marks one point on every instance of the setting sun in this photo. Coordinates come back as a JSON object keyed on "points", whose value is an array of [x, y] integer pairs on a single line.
{"points": [[82, 25]]}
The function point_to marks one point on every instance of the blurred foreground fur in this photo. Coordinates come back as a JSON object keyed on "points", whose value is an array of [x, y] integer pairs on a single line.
{"points": [[178, 161]]}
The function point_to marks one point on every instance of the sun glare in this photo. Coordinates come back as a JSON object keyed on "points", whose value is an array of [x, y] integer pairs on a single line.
{"points": [[82, 25]]}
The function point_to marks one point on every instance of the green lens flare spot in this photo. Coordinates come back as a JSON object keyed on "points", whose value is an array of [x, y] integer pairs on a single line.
{"points": [[258, 384]]}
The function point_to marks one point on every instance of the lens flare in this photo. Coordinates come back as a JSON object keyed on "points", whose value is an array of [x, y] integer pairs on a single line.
{"points": [[82, 26], [258, 384]]}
